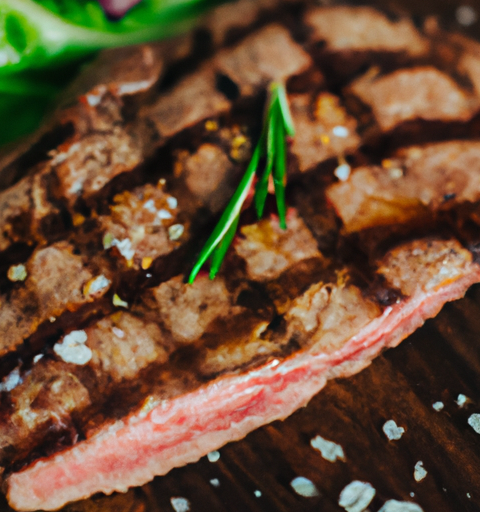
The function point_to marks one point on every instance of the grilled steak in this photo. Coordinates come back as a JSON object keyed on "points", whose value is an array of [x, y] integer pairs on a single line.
{"points": [[114, 369]]}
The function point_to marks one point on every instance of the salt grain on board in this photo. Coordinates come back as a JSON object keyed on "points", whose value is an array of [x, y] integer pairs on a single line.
{"points": [[304, 487], [180, 504], [393, 431], [438, 406], [213, 456], [474, 422], [215, 482], [330, 451], [461, 400], [400, 506], [356, 496], [420, 472], [257, 493]]}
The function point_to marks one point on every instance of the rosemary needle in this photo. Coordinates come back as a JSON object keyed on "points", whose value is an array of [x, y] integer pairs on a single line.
{"points": [[277, 126]]}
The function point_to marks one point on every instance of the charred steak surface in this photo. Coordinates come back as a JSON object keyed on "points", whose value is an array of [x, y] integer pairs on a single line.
{"points": [[115, 370]]}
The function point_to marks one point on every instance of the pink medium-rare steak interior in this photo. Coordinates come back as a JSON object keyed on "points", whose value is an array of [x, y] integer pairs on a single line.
{"points": [[112, 368], [164, 435]]}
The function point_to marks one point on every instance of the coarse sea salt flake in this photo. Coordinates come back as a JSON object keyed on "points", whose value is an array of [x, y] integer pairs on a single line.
{"points": [[215, 482], [304, 487], [180, 504], [393, 431], [257, 493], [17, 273], [175, 231], [420, 472], [356, 496], [118, 332], [400, 506], [474, 422], [213, 456], [94, 99], [133, 87], [438, 406], [461, 400], [11, 381], [164, 214], [172, 202], [330, 451], [125, 248], [342, 172], [150, 206], [72, 348], [37, 358], [340, 131]]}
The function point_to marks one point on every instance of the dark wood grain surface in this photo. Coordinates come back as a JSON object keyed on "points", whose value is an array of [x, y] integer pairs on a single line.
{"points": [[437, 363]]}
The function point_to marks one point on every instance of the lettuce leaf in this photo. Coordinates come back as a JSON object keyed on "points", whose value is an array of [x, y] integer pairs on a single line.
{"points": [[40, 34], [41, 41]]}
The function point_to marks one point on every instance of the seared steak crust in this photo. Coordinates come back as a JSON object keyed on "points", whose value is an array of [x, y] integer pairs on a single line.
{"points": [[104, 342]]}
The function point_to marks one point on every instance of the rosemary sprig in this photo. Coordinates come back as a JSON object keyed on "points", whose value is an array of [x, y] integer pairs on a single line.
{"points": [[277, 126]]}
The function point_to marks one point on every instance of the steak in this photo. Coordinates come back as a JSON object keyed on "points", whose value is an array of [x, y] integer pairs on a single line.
{"points": [[113, 368]]}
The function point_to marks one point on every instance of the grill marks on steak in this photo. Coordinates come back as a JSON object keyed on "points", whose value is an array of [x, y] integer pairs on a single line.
{"points": [[346, 39], [56, 282], [289, 310], [270, 55], [324, 129], [104, 148], [244, 69], [143, 225], [420, 182], [410, 94]]}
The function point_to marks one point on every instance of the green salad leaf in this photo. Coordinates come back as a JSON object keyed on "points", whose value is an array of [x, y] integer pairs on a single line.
{"points": [[42, 40], [37, 34]]}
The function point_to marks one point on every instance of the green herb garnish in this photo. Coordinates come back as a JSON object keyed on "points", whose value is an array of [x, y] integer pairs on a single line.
{"points": [[277, 126]]}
